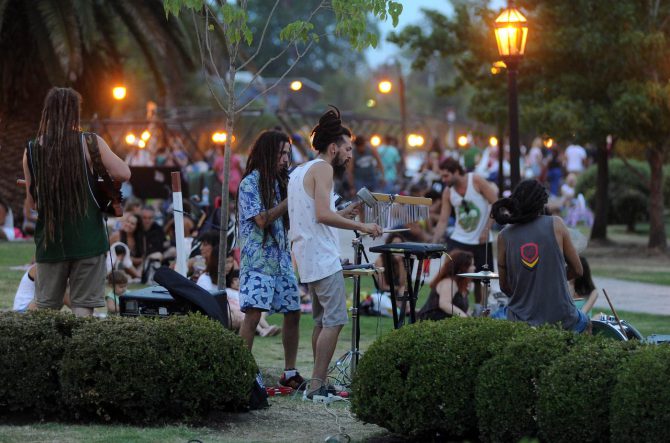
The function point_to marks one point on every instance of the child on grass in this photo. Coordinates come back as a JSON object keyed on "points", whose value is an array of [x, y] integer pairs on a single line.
{"points": [[118, 282]]}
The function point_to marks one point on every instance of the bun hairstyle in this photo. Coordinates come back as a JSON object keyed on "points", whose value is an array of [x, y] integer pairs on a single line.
{"points": [[526, 203], [329, 130]]}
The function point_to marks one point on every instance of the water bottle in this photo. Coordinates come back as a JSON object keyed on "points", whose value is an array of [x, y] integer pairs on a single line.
{"points": [[205, 196]]}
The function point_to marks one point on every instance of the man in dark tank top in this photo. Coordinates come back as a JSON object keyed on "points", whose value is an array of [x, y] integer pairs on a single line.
{"points": [[533, 250]]}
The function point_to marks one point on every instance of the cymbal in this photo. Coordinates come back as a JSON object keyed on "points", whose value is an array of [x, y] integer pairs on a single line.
{"points": [[481, 275]]}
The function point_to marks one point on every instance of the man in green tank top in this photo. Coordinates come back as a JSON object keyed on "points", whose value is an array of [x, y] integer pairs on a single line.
{"points": [[70, 233]]}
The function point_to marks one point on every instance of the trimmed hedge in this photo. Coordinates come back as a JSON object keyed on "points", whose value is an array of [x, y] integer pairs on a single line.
{"points": [[32, 346], [641, 397], [506, 392], [150, 370], [419, 380], [574, 393]]}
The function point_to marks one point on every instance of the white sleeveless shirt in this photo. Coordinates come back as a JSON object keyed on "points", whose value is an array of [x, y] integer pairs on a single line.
{"points": [[472, 213], [315, 246]]}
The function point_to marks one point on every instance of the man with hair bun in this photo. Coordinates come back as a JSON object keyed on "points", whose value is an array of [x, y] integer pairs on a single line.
{"points": [[314, 237], [533, 250]]}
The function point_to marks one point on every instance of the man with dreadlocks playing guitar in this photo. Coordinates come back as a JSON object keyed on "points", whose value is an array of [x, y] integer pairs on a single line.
{"points": [[267, 279], [70, 233]]}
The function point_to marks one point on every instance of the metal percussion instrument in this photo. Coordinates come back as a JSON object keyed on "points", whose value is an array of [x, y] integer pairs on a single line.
{"points": [[481, 275]]}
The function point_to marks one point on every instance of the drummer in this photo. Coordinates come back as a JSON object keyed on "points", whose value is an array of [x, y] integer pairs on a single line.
{"points": [[448, 292], [533, 251]]}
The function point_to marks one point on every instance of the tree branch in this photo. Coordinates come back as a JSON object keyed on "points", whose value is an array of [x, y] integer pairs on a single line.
{"points": [[262, 39], [265, 91], [202, 62]]}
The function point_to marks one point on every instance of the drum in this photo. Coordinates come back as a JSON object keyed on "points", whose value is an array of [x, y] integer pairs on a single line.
{"points": [[609, 328]]}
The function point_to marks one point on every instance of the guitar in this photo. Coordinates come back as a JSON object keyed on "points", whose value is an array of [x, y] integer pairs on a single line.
{"points": [[107, 191]]}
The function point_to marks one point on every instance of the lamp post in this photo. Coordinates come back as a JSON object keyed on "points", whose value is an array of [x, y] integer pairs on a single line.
{"points": [[511, 30], [385, 87]]}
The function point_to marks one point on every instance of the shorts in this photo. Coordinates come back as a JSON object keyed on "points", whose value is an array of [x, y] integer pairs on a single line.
{"points": [[269, 293], [580, 327], [86, 278], [329, 301]]}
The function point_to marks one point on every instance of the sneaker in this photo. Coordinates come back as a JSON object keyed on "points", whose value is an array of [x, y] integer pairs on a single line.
{"points": [[296, 382], [321, 390]]}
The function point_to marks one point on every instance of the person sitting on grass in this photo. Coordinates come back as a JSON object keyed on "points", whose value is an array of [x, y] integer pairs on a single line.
{"points": [[208, 280], [583, 290], [24, 299], [448, 292], [381, 301], [118, 282]]}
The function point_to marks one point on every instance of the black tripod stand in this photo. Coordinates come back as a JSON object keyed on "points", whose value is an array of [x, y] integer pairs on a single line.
{"points": [[344, 367]]}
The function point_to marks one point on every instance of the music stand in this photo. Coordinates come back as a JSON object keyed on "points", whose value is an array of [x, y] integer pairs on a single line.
{"points": [[345, 366]]}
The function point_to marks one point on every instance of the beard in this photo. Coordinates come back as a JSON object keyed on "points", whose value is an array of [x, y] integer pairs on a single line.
{"points": [[339, 166]]}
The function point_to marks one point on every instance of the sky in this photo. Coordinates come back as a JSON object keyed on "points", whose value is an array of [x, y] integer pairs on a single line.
{"points": [[411, 14]]}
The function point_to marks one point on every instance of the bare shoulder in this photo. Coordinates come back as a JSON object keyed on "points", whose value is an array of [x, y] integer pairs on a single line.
{"points": [[444, 286], [320, 171]]}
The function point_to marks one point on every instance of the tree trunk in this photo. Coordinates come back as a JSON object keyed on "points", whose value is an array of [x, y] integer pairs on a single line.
{"points": [[225, 185], [15, 130], [599, 231], [658, 240]]}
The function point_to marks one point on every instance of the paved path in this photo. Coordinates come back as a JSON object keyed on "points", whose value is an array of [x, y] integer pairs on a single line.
{"points": [[633, 296], [625, 295]]}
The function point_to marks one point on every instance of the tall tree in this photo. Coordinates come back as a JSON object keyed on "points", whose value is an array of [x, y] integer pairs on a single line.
{"points": [[243, 48], [75, 43], [592, 69]]}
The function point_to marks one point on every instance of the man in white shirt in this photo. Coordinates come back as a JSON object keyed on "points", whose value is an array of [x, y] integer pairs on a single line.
{"points": [[315, 245], [575, 159]]}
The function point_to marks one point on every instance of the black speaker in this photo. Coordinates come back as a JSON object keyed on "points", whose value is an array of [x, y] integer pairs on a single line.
{"points": [[154, 301]]}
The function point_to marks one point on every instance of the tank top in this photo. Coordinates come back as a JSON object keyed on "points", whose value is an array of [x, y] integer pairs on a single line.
{"points": [[431, 309], [314, 245], [472, 213], [537, 275], [81, 238]]}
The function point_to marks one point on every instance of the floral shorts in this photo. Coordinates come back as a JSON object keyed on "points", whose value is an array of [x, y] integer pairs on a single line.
{"points": [[268, 292]]}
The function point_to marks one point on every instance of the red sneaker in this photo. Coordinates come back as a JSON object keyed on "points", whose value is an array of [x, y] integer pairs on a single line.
{"points": [[296, 382]]}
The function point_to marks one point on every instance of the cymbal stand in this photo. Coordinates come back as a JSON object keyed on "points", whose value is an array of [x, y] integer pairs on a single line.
{"points": [[344, 367]]}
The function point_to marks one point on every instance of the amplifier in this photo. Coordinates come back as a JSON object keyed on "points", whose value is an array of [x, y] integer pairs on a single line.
{"points": [[154, 301]]}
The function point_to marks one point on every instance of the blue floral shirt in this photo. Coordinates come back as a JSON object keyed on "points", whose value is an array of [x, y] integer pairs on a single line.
{"points": [[272, 258]]}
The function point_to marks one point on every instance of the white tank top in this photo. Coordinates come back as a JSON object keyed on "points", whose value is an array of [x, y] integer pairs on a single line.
{"points": [[472, 213], [315, 246]]}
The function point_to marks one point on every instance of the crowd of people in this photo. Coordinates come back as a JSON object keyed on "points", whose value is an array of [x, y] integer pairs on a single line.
{"points": [[286, 221]]}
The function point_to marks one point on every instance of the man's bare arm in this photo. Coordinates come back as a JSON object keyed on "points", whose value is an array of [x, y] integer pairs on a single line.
{"points": [[266, 218]]}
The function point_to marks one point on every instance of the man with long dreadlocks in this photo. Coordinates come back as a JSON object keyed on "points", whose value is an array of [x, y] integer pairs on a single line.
{"points": [[533, 250], [314, 235], [70, 237], [267, 279]]}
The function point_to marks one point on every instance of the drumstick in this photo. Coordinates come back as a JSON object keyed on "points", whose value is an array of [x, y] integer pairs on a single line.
{"points": [[615, 314]]}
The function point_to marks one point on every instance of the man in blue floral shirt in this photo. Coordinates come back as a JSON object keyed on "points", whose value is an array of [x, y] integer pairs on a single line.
{"points": [[267, 279]]}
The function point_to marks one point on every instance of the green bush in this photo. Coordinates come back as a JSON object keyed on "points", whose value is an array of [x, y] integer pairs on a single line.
{"points": [[574, 393], [32, 345], [506, 392], [640, 407], [147, 370], [419, 380]]}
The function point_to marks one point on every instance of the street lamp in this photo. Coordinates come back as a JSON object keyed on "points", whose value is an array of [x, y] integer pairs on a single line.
{"points": [[511, 30], [296, 85], [119, 92]]}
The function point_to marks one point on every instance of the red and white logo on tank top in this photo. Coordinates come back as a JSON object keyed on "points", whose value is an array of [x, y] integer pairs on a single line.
{"points": [[530, 255]]}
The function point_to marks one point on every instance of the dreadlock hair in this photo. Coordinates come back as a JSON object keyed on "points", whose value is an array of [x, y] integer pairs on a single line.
{"points": [[458, 264], [263, 157], [60, 179], [329, 130], [584, 285], [525, 204]]}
